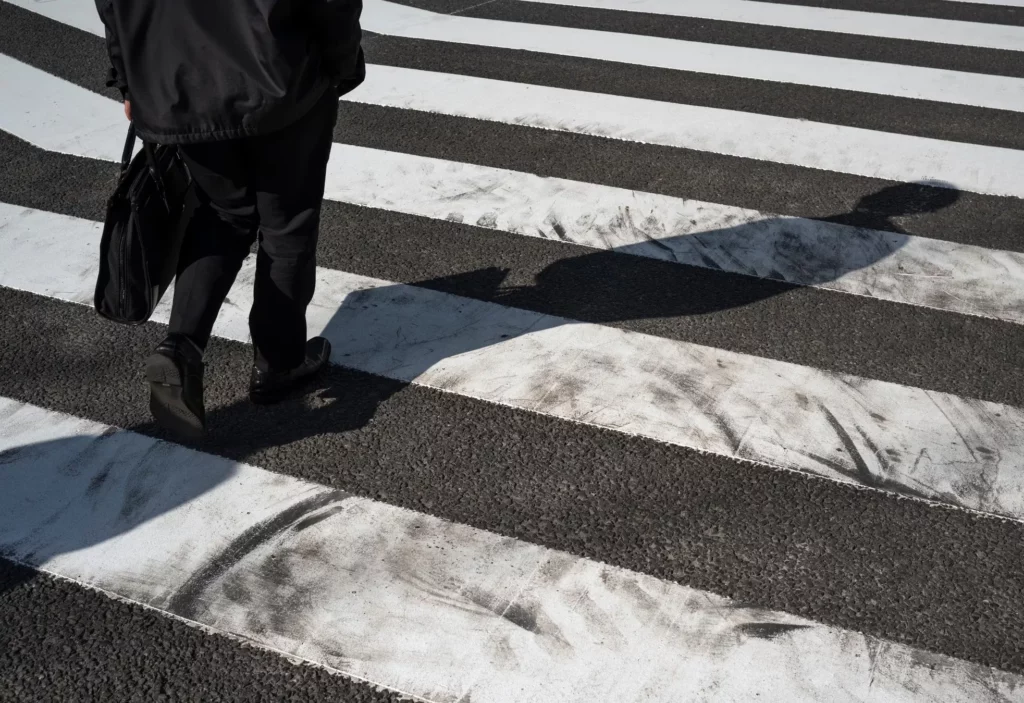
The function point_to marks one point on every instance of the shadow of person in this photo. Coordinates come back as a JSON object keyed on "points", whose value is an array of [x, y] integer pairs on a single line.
{"points": [[716, 270], [401, 331], [68, 495], [64, 497]]}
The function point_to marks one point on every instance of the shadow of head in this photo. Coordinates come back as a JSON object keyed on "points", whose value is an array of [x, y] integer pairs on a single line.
{"points": [[901, 200]]}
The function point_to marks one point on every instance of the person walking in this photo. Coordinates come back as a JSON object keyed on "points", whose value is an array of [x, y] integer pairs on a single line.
{"points": [[248, 91]]}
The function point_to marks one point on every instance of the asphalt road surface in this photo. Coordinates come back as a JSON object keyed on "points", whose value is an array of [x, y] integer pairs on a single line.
{"points": [[678, 356]]}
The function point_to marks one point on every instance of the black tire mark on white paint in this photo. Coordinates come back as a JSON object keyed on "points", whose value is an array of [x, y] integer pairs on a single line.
{"points": [[188, 602]]}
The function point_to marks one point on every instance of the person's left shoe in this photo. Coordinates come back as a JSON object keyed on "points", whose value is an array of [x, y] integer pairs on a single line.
{"points": [[175, 374], [273, 386]]}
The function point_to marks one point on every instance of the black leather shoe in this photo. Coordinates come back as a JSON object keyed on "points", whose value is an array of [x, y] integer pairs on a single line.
{"points": [[175, 374], [273, 386]]}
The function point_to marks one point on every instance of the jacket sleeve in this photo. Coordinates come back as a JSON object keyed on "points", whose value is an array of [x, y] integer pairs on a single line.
{"points": [[336, 28], [116, 77]]}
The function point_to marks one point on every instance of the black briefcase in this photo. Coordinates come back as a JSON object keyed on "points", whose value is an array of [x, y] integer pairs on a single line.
{"points": [[142, 233]]}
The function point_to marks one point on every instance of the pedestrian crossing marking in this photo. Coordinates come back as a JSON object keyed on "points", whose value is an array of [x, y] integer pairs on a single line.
{"points": [[820, 19], [883, 265], [431, 608], [488, 617], [971, 167], [852, 150], [1004, 3], [941, 85], [914, 82]]}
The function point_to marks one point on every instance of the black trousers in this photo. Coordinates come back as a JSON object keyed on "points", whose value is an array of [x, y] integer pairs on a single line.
{"points": [[270, 187]]}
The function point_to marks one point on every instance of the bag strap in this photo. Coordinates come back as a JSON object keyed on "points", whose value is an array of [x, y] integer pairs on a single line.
{"points": [[129, 146], [126, 158]]}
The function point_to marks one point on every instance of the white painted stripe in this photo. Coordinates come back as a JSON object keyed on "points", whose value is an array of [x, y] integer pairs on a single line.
{"points": [[998, 92], [937, 446], [1005, 3], [75, 13], [883, 265], [942, 85], [869, 24], [411, 602], [57, 115], [862, 152]]}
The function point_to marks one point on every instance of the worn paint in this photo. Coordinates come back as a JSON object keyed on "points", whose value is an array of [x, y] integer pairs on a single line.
{"points": [[879, 264], [820, 19], [1006, 3], [907, 440], [411, 602]]}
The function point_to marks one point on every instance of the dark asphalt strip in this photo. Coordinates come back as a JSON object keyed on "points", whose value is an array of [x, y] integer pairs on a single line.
{"points": [[45, 180], [83, 61], [447, 7], [935, 578], [62, 642], [31, 38], [948, 352], [759, 36], [939, 9]]}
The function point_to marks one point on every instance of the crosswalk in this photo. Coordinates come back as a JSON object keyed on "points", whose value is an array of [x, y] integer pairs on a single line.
{"points": [[634, 397], [823, 19]]}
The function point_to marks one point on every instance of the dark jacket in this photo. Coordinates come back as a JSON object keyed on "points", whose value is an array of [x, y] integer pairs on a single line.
{"points": [[205, 70]]}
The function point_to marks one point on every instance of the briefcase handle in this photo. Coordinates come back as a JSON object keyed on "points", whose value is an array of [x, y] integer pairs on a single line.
{"points": [[129, 146], [126, 159]]}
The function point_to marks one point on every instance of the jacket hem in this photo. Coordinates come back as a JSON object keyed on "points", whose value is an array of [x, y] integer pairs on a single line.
{"points": [[256, 130]]}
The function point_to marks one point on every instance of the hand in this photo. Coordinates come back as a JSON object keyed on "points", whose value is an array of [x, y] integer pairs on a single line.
{"points": [[128, 110]]}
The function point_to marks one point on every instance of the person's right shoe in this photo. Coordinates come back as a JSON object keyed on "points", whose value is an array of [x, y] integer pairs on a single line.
{"points": [[273, 386], [175, 374]]}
